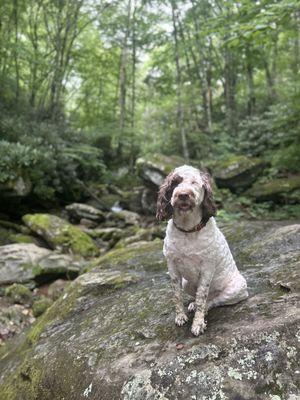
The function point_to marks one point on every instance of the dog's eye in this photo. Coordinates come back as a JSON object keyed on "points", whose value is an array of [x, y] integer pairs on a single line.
{"points": [[194, 182]]}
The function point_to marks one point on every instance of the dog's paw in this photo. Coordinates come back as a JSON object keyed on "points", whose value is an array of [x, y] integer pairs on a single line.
{"points": [[180, 319], [192, 306], [198, 328]]}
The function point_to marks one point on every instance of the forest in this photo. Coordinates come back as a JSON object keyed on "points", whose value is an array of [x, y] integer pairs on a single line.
{"points": [[89, 86], [99, 101]]}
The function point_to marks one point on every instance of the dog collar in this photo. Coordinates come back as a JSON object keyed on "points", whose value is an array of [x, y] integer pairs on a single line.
{"points": [[196, 228]]}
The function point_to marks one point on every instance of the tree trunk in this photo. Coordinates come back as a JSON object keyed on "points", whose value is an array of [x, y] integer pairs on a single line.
{"points": [[229, 90], [180, 110], [123, 80], [250, 83], [16, 55]]}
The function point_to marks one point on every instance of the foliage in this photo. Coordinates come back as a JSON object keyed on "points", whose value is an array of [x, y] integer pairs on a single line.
{"points": [[86, 84], [53, 157], [15, 157]]}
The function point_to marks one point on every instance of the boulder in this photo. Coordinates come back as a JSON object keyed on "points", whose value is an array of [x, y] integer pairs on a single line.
{"points": [[61, 235], [109, 235], [282, 190], [14, 233], [112, 334], [237, 173], [142, 234], [21, 263], [123, 218], [148, 201], [78, 211], [155, 167]]}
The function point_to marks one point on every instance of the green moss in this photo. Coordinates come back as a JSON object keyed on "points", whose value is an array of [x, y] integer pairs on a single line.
{"points": [[4, 236], [24, 383], [235, 164], [270, 190], [76, 240], [142, 255], [40, 305], [37, 221], [21, 238], [19, 293], [59, 233], [59, 310]]}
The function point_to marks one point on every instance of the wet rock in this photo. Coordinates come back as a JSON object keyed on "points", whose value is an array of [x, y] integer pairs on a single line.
{"points": [[21, 263], [77, 211], [114, 329], [283, 190], [237, 173], [61, 235]]}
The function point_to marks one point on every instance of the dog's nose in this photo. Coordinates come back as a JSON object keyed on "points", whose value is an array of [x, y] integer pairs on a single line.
{"points": [[183, 196]]}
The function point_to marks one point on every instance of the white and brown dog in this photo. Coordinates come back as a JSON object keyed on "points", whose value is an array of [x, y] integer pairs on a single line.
{"points": [[199, 258]]}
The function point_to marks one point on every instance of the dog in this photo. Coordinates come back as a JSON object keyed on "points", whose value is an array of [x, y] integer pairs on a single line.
{"points": [[198, 256]]}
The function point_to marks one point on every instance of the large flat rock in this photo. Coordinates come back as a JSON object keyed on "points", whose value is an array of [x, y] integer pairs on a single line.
{"points": [[112, 334], [25, 262]]}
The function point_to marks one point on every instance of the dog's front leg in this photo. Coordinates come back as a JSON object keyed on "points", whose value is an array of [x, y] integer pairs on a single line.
{"points": [[180, 317], [199, 325]]}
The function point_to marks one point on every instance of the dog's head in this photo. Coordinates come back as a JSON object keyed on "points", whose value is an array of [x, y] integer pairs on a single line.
{"points": [[184, 189]]}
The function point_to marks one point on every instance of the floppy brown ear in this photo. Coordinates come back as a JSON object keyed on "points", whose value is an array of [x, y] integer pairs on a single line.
{"points": [[209, 208], [164, 208]]}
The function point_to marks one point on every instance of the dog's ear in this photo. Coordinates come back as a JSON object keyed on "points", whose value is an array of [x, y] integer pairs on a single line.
{"points": [[164, 208], [209, 208]]}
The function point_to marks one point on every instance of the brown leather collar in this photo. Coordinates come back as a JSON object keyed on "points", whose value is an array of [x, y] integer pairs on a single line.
{"points": [[196, 228]]}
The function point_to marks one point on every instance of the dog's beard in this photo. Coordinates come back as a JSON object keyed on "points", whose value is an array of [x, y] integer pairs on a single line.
{"points": [[184, 206]]}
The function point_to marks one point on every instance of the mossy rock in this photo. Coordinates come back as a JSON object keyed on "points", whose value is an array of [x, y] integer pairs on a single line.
{"points": [[112, 334], [14, 233], [237, 173], [18, 293], [40, 305], [21, 238], [5, 236], [138, 256], [284, 190], [61, 235], [154, 168]]}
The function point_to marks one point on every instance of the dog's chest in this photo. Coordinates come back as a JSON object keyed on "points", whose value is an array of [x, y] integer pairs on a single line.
{"points": [[185, 253]]}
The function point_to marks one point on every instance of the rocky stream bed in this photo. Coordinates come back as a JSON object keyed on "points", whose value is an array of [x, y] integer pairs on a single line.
{"points": [[86, 307]]}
